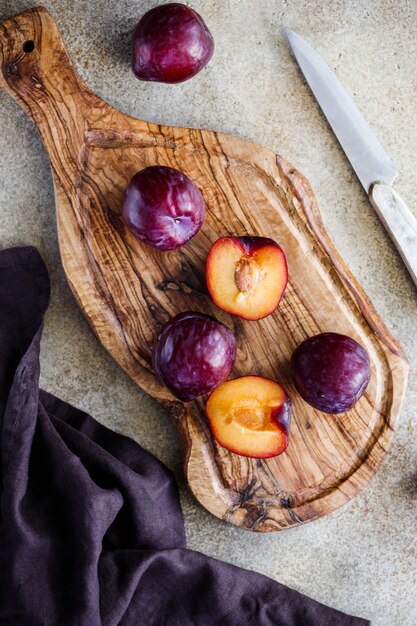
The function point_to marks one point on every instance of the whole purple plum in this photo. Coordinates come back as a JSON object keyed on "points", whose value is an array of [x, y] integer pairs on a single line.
{"points": [[170, 44], [193, 354], [330, 372], [162, 207]]}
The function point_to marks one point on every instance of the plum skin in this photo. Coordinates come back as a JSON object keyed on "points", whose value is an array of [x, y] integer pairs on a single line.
{"points": [[282, 416], [170, 44], [193, 354], [330, 372], [163, 207]]}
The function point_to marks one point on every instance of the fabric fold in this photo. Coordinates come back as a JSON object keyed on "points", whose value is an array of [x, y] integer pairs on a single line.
{"points": [[83, 539]]}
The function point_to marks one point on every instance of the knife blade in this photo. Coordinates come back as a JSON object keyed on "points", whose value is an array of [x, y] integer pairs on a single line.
{"points": [[366, 155], [373, 167]]}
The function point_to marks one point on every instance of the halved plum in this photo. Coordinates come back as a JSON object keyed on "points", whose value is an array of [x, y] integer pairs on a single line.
{"points": [[250, 416], [246, 276]]}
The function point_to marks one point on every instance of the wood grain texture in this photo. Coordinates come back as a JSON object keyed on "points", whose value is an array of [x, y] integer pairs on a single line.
{"points": [[127, 290]]}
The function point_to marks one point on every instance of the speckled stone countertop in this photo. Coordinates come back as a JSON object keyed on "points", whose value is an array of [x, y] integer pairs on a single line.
{"points": [[362, 558]]}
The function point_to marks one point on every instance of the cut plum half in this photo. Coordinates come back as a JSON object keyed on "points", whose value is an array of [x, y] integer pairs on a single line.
{"points": [[250, 416], [246, 276]]}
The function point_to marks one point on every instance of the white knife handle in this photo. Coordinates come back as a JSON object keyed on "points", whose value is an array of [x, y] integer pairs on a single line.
{"points": [[400, 223]]}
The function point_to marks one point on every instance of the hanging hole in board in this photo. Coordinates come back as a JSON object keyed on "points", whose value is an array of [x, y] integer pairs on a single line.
{"points": [[28, 46]]}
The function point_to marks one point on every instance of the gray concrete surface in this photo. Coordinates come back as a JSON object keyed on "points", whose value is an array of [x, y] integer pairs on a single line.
{"points": [[362, 558]]}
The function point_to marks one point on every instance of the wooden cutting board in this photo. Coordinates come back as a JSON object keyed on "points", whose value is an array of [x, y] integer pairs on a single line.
{"points": [[127, 290]]}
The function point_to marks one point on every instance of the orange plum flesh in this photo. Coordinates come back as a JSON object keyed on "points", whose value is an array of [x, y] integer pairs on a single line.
{"points": [[246, 276], [250, 416]]}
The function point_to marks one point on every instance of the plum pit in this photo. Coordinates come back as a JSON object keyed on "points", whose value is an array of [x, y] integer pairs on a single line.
{"points": [[247, 274]]}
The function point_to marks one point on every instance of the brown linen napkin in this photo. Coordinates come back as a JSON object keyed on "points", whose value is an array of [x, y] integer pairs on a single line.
{"points": [[91, 529]]}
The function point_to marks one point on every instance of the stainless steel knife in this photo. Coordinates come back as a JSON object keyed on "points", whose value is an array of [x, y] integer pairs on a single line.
{"points": [[368, 158]]}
